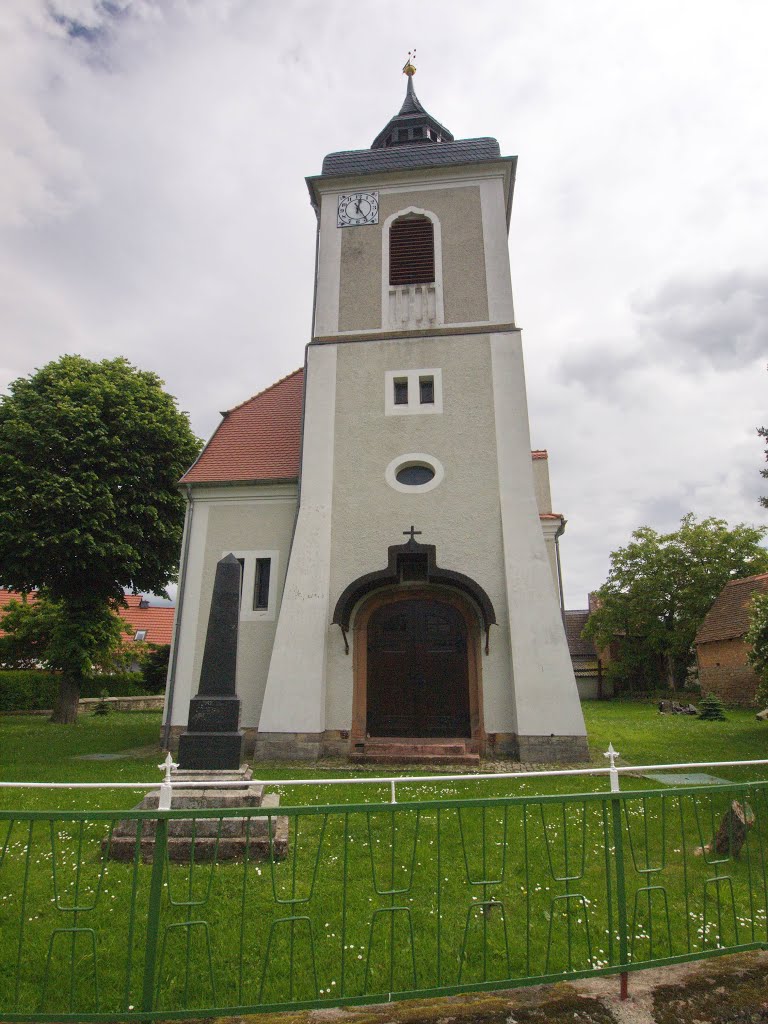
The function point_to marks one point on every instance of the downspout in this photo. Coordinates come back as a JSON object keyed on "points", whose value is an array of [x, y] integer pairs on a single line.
{"points": [[560, 532], [171, 684]]}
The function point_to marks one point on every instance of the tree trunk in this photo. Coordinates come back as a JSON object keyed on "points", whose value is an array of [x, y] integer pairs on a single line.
{"points": [[732, 833], [65, 712], [670, 663]]}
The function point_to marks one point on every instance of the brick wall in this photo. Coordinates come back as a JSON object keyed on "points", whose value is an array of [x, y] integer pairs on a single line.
{"points": [[724, 670]]}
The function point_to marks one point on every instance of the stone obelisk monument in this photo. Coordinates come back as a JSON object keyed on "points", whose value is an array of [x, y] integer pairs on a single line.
{"points": [[213, 740]]}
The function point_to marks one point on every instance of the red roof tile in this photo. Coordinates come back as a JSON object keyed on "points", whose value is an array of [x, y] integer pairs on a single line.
{"points": [[539, 453], [257, 440], [261, 439], [157, 620], [729, 615]]}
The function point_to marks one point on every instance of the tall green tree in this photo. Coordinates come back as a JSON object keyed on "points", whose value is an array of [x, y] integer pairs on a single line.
{"points": [[757, 638], [660, 587], [90, 453], [763, 432]]}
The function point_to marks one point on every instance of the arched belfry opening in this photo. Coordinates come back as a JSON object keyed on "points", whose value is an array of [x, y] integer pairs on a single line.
{"points": [[418, 633], [412, 250]]}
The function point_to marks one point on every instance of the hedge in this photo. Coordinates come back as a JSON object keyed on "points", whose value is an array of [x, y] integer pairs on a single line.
{"points": [[31, 690]]}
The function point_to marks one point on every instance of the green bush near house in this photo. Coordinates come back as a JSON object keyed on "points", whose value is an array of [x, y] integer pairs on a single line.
{"points": [[34, 690]]}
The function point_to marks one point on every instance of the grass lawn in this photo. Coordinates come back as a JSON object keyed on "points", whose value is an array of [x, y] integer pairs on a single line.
{"points": [[374, 900], [32, 749]]}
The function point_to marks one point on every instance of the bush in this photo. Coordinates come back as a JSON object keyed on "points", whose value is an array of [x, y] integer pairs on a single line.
{"points": [[154, 670], [32, 690], [27, 690], [711, 709]]}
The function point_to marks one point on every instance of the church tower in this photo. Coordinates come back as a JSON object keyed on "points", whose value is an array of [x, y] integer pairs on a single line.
{"points": [[418, 605]]}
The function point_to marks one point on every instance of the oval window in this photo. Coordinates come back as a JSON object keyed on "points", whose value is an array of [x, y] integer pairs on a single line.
{"points": [[413, 476]]}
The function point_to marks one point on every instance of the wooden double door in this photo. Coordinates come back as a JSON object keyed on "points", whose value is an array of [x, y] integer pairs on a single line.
{"points": [[417, 671]]}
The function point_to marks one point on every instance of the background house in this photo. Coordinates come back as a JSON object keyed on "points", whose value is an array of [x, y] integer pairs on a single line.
{"points": [[721, 652], [152, 624]]}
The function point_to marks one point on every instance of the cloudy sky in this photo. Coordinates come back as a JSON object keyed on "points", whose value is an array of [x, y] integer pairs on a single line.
{"points": [[153, 205]]}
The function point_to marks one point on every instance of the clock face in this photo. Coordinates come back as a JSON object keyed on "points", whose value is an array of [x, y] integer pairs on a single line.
{"points": [[358, 208]]}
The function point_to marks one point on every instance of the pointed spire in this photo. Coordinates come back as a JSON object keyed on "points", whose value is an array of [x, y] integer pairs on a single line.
{"points": [[412, 124]]}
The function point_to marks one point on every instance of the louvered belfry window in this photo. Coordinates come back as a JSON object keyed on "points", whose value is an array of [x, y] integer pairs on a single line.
{"points": [[412, 251]]}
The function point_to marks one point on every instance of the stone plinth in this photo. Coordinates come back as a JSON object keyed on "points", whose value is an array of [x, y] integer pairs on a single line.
{"points": [[217, 839]]}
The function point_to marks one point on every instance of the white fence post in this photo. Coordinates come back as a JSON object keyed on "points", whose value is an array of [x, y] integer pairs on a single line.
{"points": [[166, 787], [613, 774]]}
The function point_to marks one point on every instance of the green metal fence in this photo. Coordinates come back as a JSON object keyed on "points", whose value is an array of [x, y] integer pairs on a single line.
{"points": [[369, 902]]}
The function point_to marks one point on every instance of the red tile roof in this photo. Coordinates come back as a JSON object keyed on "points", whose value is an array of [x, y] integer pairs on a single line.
{"points": [[260, 439], [257, 440], [157, 620], [729, 615]]}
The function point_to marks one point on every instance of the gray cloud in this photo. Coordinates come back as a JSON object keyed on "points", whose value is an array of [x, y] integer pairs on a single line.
{"points": [[721, 319], [152, 205]]}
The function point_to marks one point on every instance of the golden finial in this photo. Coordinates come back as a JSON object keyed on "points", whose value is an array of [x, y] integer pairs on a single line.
{"points": [[408, 68]]}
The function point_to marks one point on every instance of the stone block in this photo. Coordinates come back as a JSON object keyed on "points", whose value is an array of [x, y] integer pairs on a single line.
{"points": [[202, 750], [214, 714]]}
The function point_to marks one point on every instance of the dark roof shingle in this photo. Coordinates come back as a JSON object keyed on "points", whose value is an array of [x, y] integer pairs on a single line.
{"points": [[575, 621], [399, 158]]}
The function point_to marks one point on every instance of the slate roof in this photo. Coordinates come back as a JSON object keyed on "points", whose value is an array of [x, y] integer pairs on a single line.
{"points": [[728, 618], [398, 158], [575, 621], [259, 440], [157, 620]]}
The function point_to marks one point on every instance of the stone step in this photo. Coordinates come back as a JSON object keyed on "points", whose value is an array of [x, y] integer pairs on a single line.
{"points": [[123, 848], [412, 757], [225, 838], [248, 796]]}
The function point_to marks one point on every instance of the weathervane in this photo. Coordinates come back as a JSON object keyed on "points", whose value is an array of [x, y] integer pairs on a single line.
{"points": [[408, 67]]}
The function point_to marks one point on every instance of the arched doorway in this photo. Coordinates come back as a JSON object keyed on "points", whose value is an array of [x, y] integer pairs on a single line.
{"points": [[418, 679], [417, 666]]}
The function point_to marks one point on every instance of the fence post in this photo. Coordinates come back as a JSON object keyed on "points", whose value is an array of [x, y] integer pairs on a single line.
{"points": [[618, 849], [156, 887]]}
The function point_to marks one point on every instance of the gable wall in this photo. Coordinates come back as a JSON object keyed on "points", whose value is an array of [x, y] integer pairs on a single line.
{"points": [[725, 671]]}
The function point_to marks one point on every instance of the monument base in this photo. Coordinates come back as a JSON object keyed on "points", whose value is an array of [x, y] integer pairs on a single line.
{"points": [[263, 837]]}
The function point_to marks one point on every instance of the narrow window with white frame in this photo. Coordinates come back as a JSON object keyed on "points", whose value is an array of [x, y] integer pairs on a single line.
{"points": [[258, 585], [413, 392]]}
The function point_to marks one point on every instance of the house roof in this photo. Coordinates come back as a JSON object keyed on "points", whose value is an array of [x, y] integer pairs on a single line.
{"points": [[575, 621], [156, 620], [728, 617], [260, 440]]}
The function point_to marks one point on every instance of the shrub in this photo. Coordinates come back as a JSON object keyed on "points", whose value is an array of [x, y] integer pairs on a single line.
{"points": [[154, 669], [711, 709], [32, 690]]}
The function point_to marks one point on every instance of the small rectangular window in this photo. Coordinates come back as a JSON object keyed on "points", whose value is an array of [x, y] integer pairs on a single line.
{"points": [[401, 391], [141, 634], [261, 585], [242, 574], [427, 390]]}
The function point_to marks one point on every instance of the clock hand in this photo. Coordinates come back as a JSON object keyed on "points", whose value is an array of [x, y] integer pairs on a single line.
{"points": [[357, 206]]}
